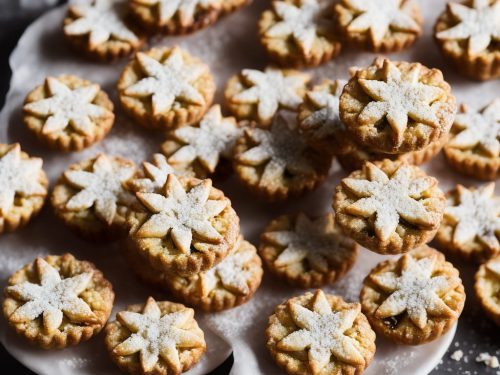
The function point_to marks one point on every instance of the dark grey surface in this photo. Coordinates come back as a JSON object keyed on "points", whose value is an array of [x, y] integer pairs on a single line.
{"points": [[475, 333]]}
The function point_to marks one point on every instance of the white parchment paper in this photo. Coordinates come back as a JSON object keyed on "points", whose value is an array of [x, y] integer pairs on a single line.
{"points": [[227, 47]]}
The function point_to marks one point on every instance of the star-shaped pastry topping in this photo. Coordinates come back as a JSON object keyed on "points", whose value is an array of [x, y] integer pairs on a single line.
{"points": [[270, 90], [66, 107], [479, 23], [167, 82], [53, 298], [391, 198], [102, 20], [494, 267], [214, 136], [322, 333], [155, 336], [326, 119], [477, 215], [398, 97], [479, 128], [231, 272], [18, 176], [186, 9], [279, 148], [156, 174], [380, 16], [180, 214], [102, 188], [302, 22], [416, 291], [311, 240]]}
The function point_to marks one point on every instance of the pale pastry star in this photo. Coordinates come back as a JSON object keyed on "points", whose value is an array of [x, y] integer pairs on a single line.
{"points": [[53, 298], [186, 9]]}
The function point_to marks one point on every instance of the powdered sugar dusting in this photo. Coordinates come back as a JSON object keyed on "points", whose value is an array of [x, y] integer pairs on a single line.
{"points": [[185, 9]]}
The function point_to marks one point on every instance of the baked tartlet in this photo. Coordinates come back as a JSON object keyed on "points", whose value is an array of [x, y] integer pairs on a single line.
{"points": [[319, 118], [98, 29], [200, 147], [175, 16], [379, 26], [467, 34], [318, 333], [389, 207], [152, 176], [397, 107], [307, 252], [414, 299], [68, 113], [275, 162], [57, 301], [230, 283], [142, 269], [258, 95], [297, 33], [160, 338], [356, 156], [23, 187], [166, 88], [91, 196], [186, 228], [487, 288], [474, 147], [471, 223]]}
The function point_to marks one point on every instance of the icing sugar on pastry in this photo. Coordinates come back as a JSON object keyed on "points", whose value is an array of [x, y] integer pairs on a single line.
{"points": [[478, 128], [102, 21], [180, 213], [18, 176], [390, 198], [53, 299], [155, 336], [67, 107], [102, 188], [185, 9], [379, 15], [416, 291], [477, 214], [279, 148], [478, 23], [270, 90], [398, 98], [168, 81], [321, 330], [302, 21], [214, 136]]}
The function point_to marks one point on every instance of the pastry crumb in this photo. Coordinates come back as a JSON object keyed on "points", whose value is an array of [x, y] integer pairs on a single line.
{"points": [[489, 360], [457, 355]]}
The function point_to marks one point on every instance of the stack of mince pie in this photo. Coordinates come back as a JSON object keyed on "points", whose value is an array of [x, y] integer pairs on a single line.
{"points": [[184, 236]]}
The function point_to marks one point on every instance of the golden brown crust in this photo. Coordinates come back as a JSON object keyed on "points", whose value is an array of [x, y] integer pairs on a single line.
{"points": [[69, 139], [471, 164], [394, 40], [406, 236], [85, 221], [400, 328], [474, 249], [109, 51], [116, 333], [483, 66], [24, 207], [148, 17], [487, 289], [302, 273], [281, 324], [98, 295], [380, 136], [140, 109], [290, 183], [286, 52], [190, 289], [230, 6], [165, 256], [355, 158]]}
